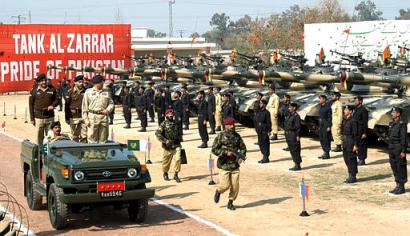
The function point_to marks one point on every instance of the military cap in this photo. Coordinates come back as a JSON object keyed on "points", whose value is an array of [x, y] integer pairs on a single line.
{"points": [[293, 104], [184, 86], [397, 109], [210, 87], [259, 93], [272, 86], [350, 107], [264, 101], [97, 79], [227, 94], [150, 82], [287, 96], [169, 111], [358, 97], [229, 121], [218, 88], [323, 96], [41, 77], [337, 94], [78, 78], [201, 92], [55, 124]]}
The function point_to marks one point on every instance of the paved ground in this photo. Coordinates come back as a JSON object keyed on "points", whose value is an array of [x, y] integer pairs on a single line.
{"points": [[268, 202]]}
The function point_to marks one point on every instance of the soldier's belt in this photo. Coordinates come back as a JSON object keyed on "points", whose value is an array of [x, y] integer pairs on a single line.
{"points": [[95, 112]]}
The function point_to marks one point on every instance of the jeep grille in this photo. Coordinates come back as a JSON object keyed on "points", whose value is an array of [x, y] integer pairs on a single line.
{"points": [[97, 174]]}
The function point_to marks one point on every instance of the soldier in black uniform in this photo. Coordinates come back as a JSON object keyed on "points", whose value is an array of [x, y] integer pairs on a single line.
{"points": [[159, 106], [264, 127], [361, 115], [150, 93], [185, 105], [256, 109], [233, 104], [178, 110], [141, 105], [59, 90], [349, 142], [110, 90], [397, 150], [135, 92], [202, 119], [167, 97], [211, 109], [283, 113], [325, 125], [227, 109], [292, 135], [126, 100]]}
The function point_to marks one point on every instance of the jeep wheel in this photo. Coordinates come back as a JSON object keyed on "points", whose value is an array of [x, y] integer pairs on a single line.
{"points": [[57, 210], [138, 210], [34, 199]]}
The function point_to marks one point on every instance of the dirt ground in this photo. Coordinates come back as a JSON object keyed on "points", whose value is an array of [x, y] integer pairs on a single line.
{"points": [[268, 202]]}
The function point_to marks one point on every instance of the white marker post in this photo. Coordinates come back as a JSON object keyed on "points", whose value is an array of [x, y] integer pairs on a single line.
{"points": [[25, 115], [15, 112], [148, 151], [211, 167], [4, 108]]}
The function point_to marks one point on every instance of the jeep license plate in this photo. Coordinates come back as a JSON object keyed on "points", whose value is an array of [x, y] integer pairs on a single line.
{"points": [[108, 190]]}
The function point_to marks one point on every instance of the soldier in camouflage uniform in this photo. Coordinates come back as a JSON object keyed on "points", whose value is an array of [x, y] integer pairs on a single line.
{"points": [[73, 112], [170, 136], [224, 146]]}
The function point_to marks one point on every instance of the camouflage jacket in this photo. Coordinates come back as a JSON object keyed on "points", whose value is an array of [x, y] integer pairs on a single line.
{"points": [[225, 142], [169, 131]]}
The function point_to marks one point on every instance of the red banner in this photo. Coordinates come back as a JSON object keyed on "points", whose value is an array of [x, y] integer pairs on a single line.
{"points": [[27, 50]]}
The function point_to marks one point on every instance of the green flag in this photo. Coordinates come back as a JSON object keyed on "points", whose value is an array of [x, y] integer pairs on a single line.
{"points": [[138, 145]]}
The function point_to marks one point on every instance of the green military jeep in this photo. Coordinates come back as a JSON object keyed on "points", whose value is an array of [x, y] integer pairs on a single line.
{"points": [[73, 175]]}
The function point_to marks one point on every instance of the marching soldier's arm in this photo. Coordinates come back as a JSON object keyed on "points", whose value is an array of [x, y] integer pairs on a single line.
{"points": [[365, 120], [84, 106], [217, 149], [242, 146], [268, 121], [110, 107], [205, 104], [159, 133], [403, 137], [67, 110], [297, 125], [31, 100], [339, 113], [56, 99], [276, 103], [355, 131], [328, 121]]}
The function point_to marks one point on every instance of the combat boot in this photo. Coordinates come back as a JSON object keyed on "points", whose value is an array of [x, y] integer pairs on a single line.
{"points": [[217, 196], [143, 129], [286, 149], [326, 156], [395, 189], [296, 167], [361, 163], [264, 160], [231, 206], [127, 127], [212, 132], [274, 137], [338, 148], [203, 145], [166, 178], [152, 121], [176, 178], [400, 189], [321, 157], [185, 127]]}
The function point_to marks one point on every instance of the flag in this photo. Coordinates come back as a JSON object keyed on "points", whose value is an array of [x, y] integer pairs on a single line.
{"points": [[304, 190], [222, 40], [210, 163], [347, 31], [3, 125], [138, 145], [386, 53], [193, 38], [322, 55]]}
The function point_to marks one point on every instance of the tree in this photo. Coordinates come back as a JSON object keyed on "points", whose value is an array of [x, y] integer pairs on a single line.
{"points": [[404, 14], [367, 11], [220, 22]]}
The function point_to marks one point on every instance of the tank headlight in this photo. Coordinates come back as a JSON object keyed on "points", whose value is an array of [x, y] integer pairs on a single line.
{"points": [[79, 175], [132, 173]]}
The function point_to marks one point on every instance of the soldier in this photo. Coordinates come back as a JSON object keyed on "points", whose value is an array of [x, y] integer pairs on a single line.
{"points": [[97, 105], [397, 150], [59, 90], [224, 146], [178, 110], [233, 104], [361, 115], [73, 110], [42, 101], [202, 119], [337, 118], [211, 109], [149, 94], [218, 108], [159, 106], [141, 105], [256, 108], [167, 97], [109, 87], [135, 92], [227, 108], [126, 101], [325, 124], [185, 106], [170, 137], [264, 127], [349, 132], [273, 108], [284, 109], [292, 135], [56, 134]]}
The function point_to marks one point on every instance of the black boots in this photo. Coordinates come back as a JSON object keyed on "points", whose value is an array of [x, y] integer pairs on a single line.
{"points": [[286, 149], [264, 160], [325, 156], [217, 196], [166, 178], [399, 189], [296, 167], [274, 137], [186, 127], [176, 178], [361, 163], [338, 148], [230, 205], [212, 132], [143, 129], [203, 145], [127, 126], [351, 179]]}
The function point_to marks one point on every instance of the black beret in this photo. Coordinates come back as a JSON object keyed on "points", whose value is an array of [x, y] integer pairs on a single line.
{"points": [[97, 79], [287, 96], [337, 94], [350, 107], [323, 96], [150, 82], [259, 93], [184, 86], [358, 97], [397, 109], [227, 94], [41, 77], [272, 86], [264, 101], [293, 104], [210, 87], [201, 92], [54, 124], [78, 78]]}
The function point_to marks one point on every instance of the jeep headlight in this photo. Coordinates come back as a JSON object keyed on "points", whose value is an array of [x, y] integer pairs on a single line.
{"points": [[79, 175], [132, 173]]}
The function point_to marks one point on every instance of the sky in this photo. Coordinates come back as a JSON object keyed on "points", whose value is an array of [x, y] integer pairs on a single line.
{"points": [[188, 15]]}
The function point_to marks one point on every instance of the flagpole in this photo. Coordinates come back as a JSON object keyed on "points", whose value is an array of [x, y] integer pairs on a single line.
{"points": [[25, 116], [212, 182], [303, 193], [15, 111], [4, 108], [149, 152]]}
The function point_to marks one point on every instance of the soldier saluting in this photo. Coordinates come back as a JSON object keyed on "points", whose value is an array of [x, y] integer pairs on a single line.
{"points": [[73, 110], [397, 150], [292, 135], [96, 107], [42, 101], [224, 146], [350, 139], [361, 115], [170, 137]]}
